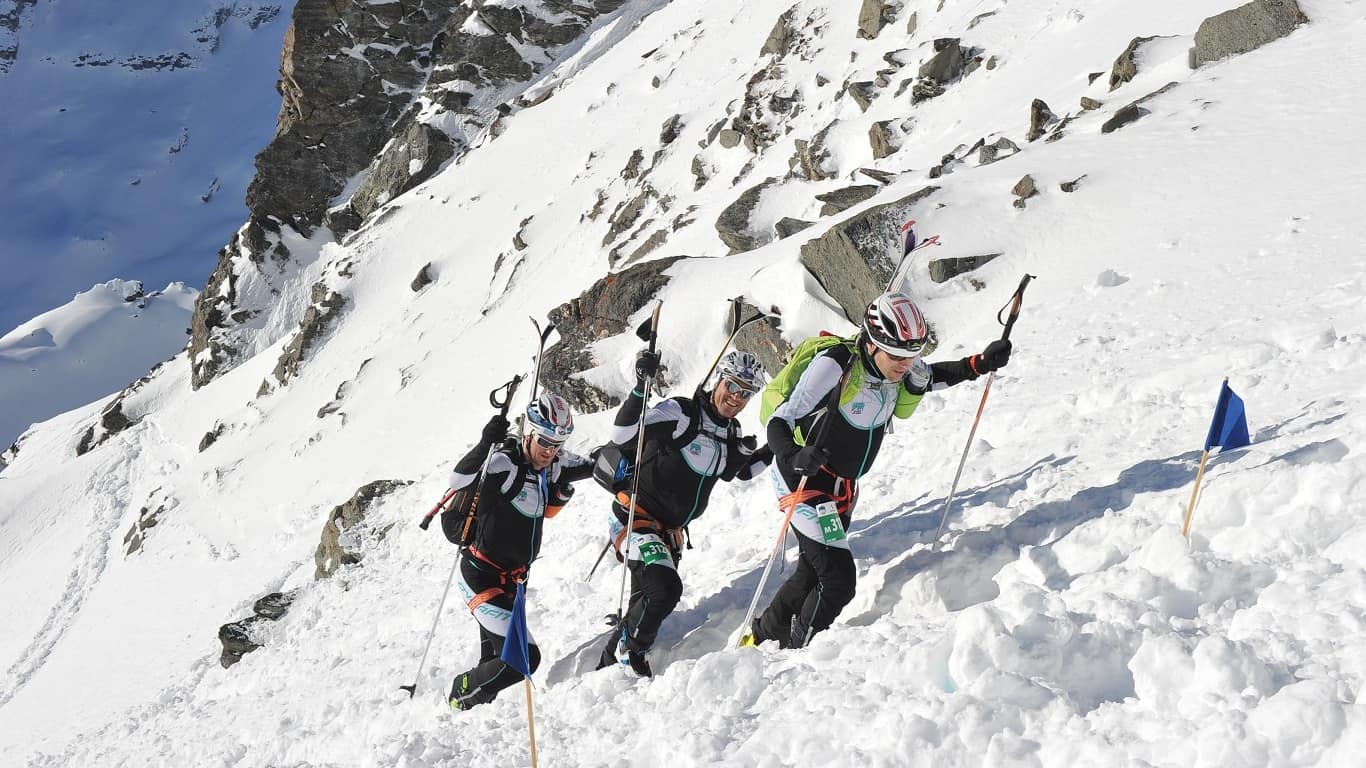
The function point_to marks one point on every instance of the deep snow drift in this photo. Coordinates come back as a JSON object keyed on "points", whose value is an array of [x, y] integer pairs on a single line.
{"points": [[1062, 621]]}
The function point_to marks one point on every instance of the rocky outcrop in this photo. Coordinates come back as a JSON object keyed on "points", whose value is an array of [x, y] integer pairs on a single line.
{"points": [[846, 197], [1244, 28], [599, 312], [1024, 189], [882, 139], [1040, 117], [997, 150], [411, 159], [242, 637], [1132, 111], [341, 536], [735, 225], [389, 90], [148, 517], [321, 315], [788, 226], [1125, 67], [873, 15], [764, 339], [854, 259], [945, 269]]}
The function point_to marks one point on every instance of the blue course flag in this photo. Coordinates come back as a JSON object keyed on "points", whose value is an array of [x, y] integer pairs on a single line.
{"points": [[1229, 428], [516, 653]]}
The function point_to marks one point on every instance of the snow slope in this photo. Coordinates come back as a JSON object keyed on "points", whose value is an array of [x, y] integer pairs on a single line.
{"points": [[1062, 621], [129, 134]]}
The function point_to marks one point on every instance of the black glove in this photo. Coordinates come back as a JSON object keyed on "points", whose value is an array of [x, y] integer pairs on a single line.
{"points": [[647, 365], [495, 430], [763, 455], [560, 494], [809, 460], [993, 358]]}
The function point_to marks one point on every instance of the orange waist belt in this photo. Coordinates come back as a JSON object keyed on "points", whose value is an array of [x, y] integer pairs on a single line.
{"points": [[643, 521]]}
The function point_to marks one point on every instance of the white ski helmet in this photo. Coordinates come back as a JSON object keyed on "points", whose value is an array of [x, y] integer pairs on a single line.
{"points": [[550, 418], [894, 323], [743, 368]]}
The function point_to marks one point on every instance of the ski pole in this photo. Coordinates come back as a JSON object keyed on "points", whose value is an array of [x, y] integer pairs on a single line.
{"points": [[598, 562], [412, 689], [1014, 305], [635, 479]]}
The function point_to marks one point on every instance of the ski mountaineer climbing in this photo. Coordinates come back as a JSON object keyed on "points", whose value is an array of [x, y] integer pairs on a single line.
{"points": [[882, 376], [523, 485], [690, 444]]}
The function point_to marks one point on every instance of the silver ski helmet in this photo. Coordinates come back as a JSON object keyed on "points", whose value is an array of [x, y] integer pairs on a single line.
{"points": [[896, 326], [742, 368], [550, 418]]}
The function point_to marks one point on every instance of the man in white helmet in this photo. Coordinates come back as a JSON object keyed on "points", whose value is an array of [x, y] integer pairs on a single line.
{"points": [[522, 486], [690, 444], [844, 401]]}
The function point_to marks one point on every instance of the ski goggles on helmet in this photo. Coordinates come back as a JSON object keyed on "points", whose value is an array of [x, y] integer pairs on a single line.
{"points": [[738, 389]]}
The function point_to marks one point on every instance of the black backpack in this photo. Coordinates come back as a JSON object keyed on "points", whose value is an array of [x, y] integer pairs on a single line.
{"points": [[613, 468]]}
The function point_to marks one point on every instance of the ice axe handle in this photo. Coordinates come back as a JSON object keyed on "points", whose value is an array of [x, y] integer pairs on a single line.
{"points": [[1014, 305]]}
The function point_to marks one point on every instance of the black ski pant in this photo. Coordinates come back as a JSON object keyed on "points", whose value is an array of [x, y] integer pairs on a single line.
{"points": [[655, 592], [811, 598], [481, 683]]}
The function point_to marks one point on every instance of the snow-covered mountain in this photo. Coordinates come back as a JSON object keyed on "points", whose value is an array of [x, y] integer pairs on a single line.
{"points": [[1185, 224], [88, 348], [118, 115]]}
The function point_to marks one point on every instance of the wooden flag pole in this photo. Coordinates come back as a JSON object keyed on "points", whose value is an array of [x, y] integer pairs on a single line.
{"points": [[530, 721], [1190, 511]]}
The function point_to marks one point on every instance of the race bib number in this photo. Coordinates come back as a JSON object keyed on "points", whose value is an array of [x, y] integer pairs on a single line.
{"points": [[828, 516], [653, 552]]}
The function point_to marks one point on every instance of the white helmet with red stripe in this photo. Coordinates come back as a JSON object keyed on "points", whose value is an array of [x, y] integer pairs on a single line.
{"points": [[549, 416], [894, 323]]}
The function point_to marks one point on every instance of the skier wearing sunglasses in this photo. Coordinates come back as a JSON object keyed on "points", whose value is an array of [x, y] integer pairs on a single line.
{"points": [[690, 444], [829, 431], [522, 486]]}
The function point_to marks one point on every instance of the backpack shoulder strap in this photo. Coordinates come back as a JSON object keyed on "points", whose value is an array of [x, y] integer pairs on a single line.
{"points": [[694, 413]]}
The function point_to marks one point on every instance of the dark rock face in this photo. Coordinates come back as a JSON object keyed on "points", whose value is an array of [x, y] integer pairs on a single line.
{"points": [[845, 198], [1245, 28], [788, 226], [337, 549], [241, 637], [764, 340], [366, 88], [1125, 115], [947, 62], [873, 15], [423, 279], [944, 269], [1125, 66], [421, 147], [601, 311], [318, 318], [336, 112], [882, 139], [854, 259], [734, 225], [780, 39], [1040, 116]]}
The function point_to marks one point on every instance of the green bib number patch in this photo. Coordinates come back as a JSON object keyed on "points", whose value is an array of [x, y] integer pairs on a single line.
{"points": [[828, 516]]}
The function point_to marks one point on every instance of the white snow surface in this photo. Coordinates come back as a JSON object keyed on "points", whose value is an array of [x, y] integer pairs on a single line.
{"points": [[1062, 621]]}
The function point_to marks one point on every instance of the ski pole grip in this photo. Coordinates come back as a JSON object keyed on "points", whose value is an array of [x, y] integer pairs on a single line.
{"points": [[1015, 302], [654, 326]]}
